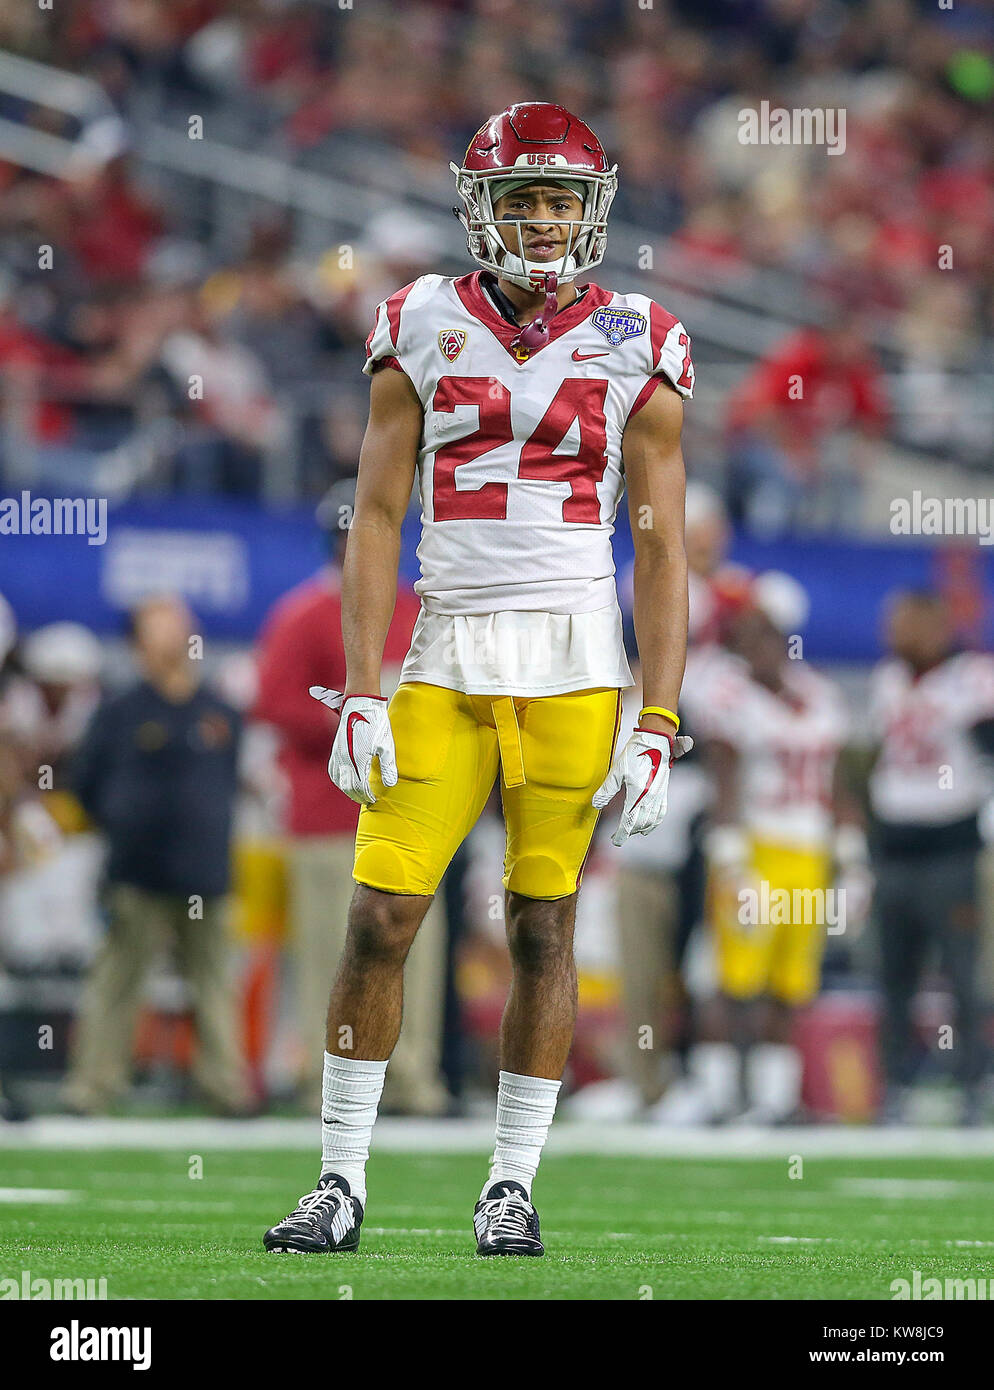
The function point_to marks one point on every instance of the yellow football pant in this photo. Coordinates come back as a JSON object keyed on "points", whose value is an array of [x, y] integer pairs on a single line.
{"points": [[777, 957], [554, 751]]}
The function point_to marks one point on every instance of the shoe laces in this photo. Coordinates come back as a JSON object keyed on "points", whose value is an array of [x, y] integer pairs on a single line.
{"points": [[509, 1215], [311, 1206]]}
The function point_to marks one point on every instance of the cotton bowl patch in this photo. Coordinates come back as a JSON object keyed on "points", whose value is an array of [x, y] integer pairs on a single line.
{"points": [[618, 324]]}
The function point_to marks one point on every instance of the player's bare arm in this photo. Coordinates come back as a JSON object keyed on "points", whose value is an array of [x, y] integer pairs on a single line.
{"points": [[724, 765], [846, 808], [655, 481], [727, 844], [655, 478], [387, 464], [850, 851]]}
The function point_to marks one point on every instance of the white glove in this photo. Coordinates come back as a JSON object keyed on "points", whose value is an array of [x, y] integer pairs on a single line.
{"points": [[854, 897], [854, 881], [643, 768], [364, 733]]}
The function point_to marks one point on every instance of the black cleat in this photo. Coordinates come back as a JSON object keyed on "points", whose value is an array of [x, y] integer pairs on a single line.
{"points": [[506, 1223], [324, 1222]]}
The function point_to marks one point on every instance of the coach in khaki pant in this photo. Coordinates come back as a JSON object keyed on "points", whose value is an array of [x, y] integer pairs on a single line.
{"points": [[157, 773], [301, 645], [142, 924]]}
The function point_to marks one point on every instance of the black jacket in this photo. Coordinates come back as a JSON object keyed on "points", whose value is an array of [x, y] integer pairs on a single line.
{"points": [[159, 779]]}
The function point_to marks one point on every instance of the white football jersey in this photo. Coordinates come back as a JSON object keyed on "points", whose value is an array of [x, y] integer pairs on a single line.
{"points": [[930, 771], [789, 744], [709, 664], [520, 465]]}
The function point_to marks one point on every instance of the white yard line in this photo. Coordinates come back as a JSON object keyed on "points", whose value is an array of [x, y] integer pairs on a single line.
{"points": [[148, 1204], [33, 1196], [902, 1188], [802, 1240], [476, 1137]]}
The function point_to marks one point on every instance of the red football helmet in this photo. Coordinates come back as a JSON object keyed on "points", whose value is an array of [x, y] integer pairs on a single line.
{"points": [[531, 141]]}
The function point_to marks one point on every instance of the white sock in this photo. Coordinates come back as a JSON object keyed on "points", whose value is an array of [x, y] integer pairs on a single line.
{"points": [[716, 1067], [525, 1107], [350, 1093], [773, 1079]]}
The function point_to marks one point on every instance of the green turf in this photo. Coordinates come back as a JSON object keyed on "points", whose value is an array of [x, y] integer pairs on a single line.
{"points": [[614, 1227]]}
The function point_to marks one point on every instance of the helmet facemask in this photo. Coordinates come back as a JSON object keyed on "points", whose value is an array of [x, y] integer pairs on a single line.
{"points": [[587, 235]]}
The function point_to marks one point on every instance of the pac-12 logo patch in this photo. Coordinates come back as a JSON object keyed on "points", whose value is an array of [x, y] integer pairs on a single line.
{"points": [[451, 341], [618, 324]]}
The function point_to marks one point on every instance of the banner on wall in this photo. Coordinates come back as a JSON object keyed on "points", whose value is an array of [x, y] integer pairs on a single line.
{"points": [[232, 561]]}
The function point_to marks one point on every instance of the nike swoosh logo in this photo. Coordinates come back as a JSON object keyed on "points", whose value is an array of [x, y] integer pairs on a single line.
{"points": [[655, 757], [355, 717], [586, 356], [330, 1122]]}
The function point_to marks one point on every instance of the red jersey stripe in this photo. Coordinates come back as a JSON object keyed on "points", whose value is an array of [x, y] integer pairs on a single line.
{"points": [[660, 323], [394, 305]]}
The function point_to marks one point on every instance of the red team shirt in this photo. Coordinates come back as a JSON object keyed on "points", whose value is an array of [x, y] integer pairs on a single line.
{"points": [[301, 646]]}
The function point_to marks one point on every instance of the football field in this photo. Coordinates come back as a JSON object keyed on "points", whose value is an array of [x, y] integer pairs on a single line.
{"points": [[779, 1217]]}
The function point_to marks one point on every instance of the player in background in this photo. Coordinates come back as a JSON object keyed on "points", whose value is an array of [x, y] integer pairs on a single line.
{"points": [[511, 395], [660, 882], [932, 711], [781, 824], [719, 589]]}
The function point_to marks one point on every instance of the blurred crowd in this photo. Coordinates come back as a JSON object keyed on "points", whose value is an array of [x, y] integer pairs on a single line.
{"points": [[142, 291], [809, 935]]}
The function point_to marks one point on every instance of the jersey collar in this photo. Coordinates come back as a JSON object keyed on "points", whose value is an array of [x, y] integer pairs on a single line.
{"points": [[491, 288], [479, 304]]}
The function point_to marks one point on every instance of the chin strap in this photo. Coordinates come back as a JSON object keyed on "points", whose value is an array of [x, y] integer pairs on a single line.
{"points": [[536, 334]]}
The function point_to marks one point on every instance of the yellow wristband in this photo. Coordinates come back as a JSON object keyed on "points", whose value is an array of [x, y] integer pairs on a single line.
{"points": [[663, 713]]}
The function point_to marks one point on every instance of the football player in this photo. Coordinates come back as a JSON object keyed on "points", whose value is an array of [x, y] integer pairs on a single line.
{"points": [[784, 831], [932, 713], [660, 881], [522, 403]]}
